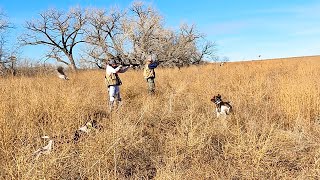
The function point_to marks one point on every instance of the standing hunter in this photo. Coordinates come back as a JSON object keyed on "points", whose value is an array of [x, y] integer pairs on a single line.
{"points": [[149, 73], [113, 81]]}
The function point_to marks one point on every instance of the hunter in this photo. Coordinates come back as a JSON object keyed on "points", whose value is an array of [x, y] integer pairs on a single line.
{"points": [[113, 81], [149, 73]]}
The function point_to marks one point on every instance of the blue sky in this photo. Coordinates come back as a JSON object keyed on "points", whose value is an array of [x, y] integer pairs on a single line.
{"points": [[242, 29]]}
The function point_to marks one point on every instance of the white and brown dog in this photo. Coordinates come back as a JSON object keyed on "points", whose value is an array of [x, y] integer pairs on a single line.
{"points": [[222, 107], [86, 129], [61, 73]]}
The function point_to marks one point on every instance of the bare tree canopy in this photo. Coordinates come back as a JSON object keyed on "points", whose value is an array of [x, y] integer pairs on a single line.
{"points": [[148, 35], [104, 34], [129, 35], [7, 55], [4, 22], [143, 28], [58, 30]]}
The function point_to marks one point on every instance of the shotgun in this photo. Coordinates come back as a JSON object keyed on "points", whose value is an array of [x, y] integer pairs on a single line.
{"points": [[130, 64]]}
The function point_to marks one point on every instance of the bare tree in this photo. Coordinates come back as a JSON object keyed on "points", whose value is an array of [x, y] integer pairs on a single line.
{"points": [[146, 32], [58, 30], [3, 60], [181, 48], [184, 46], [104, 35], [133, 34], [125, 35], [4, 22], [7, 56], [4, 25], [205, 49], [143, 27]]}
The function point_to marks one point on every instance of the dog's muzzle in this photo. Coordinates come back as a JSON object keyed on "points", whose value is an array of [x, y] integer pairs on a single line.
{"points": [[218, 101]]}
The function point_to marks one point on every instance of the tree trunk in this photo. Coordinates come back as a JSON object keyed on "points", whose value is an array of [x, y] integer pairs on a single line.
{"points": [[72, 64]]}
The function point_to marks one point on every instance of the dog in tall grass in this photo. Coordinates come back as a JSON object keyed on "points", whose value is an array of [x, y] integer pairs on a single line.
{"points": [[223, 108], [61, 73]]}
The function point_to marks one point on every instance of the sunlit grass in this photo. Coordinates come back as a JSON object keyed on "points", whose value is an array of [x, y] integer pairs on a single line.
{"points": [[273, 133]]}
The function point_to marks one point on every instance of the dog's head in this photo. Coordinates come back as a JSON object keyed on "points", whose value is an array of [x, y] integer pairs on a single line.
{"points": [[216, 99]]}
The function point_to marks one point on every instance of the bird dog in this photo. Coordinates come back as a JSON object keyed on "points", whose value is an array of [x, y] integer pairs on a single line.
{"points": [[222, 107], [61, 73], [44, 150], [86, 129]]}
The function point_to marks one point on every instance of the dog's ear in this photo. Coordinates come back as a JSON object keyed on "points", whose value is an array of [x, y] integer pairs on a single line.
{"points": [[219, 96]]}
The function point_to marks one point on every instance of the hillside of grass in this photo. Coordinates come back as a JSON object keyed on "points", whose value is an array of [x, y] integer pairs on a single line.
{"points": [[273, 133]]}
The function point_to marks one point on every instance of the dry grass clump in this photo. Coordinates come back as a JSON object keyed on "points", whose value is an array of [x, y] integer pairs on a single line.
{"points": [[272, 134]]}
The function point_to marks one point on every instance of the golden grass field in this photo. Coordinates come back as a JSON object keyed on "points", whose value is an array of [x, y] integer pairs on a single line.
{"points": [[273, 133]]}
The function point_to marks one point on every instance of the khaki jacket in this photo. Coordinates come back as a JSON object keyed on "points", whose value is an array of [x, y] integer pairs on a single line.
{"points": [[148, 73], [113, 80]]}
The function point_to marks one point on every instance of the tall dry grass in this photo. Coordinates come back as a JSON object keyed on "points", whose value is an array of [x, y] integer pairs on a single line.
{"points": [[273, 133]]}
